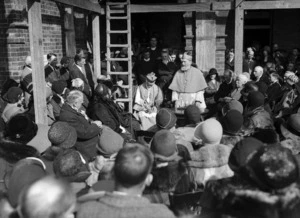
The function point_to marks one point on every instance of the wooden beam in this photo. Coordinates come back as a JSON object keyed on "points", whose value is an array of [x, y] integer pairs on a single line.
{"points": [[206, 32], [239, 37], [84, 4], [36, 51], [266, 5], [153, 8], [69, 31], [257, 5], [222, 6], [96, 46]]}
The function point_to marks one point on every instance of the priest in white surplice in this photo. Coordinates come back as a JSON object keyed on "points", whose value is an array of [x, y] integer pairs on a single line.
{"points": [[188, 86]]}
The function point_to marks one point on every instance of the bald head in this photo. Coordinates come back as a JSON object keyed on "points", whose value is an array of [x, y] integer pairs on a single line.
{"points": [[132, 166], [47, 198]]}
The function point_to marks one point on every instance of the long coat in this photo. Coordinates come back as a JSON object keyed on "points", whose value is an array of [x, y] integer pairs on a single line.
{"points": [[75, 72], [87, 132]]}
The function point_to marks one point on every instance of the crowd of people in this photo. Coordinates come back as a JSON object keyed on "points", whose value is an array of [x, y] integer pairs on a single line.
{"points": [[196, 145]]}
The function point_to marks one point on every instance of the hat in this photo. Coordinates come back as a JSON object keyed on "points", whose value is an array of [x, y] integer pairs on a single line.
{"points": [[213, 71], [59, 86], [151, 77], [232, 105], [70, 165], [21, 128], [273, 167], [210, 131], [291, 126], [13, 95], [232, 122], [165, 118], [62, 135], [256, 99], [24, 173], [192, 114], [11, 110], [268, 136], [241, 152], [164, 146], [109, 142]]}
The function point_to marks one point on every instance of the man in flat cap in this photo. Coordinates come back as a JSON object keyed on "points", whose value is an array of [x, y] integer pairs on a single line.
{"points": [[188, 86]]}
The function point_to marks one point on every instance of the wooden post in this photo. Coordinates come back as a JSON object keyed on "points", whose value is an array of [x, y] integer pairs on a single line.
{"points": [[239, 37], [69, 31], [96, 46], [36, 50], [205, 40]]}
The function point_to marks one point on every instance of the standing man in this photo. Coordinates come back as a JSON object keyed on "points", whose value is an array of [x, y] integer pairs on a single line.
{"points": [[51, 72], [78, 71], [188, 86]]}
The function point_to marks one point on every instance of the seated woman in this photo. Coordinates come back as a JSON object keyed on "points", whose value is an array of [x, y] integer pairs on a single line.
{"points": [[148, 98], [110, 114], [170, 172]]}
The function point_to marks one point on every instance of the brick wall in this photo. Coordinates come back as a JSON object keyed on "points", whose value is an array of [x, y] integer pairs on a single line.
{"points": [[14, 38]]}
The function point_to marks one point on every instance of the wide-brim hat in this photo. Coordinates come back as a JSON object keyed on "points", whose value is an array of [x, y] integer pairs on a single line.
{"points": [[109, 143], [24, 173], [13, 95], [166, 119], [273, 167], [151, 77], [62, 135], [291, 128]]}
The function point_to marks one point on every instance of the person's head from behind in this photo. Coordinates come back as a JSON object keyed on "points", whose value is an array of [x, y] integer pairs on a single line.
{"points": [[75, 99], [70, 165], [47, 198], [132, 168]]}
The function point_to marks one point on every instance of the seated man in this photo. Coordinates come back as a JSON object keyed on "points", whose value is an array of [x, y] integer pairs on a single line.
{"points": [[188, 86], [132, 173], [47, 198], [87, 130], [147, 101]]}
